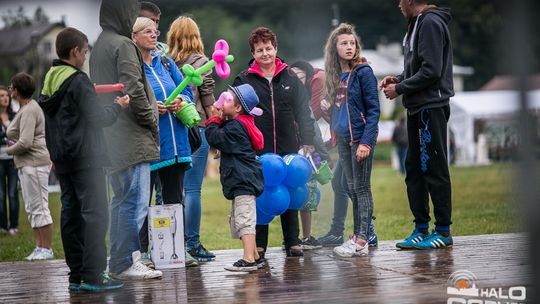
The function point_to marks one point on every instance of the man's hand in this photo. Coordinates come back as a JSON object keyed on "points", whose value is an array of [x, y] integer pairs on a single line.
{"points": [[390, 91], [362, 152], [122, 101], [388, 80], [307, 149]]}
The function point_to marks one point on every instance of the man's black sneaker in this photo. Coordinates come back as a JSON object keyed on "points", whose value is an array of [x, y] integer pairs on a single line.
{"points": [[291, 252], [103, 283], [330, 240], [201, 254]]}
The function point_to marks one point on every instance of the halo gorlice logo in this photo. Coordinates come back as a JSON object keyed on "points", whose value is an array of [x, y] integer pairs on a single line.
{"points": [[462, 289]]}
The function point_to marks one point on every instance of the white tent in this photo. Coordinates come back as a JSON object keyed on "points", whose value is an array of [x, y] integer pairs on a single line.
{"points": [[467, 107]]}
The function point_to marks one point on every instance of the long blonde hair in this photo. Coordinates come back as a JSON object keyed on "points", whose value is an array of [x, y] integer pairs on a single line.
{"points": [[184, 39], [331, 58]]}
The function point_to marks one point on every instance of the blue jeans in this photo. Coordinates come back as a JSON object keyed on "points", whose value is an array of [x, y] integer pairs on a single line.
{"points": [[341, 200], [192, 193], [129, 207], [358, 175]]}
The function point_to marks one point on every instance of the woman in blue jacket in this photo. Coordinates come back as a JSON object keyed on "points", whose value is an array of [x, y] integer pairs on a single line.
{"points": [[175, 152], [352, 87]]}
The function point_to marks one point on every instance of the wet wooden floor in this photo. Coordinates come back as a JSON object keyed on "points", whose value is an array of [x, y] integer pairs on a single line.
{"points": [[385, 276]]}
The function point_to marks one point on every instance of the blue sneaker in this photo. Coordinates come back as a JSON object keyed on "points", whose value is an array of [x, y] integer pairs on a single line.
{"points": [[104, 283], [414, 238], [372, 240], [74, 287], [201, 254], [435, 241]]}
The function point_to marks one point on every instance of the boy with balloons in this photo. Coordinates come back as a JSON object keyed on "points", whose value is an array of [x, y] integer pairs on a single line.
{"points": [[232, 130]]}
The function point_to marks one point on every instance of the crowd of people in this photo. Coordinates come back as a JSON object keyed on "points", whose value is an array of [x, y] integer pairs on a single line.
{"points": [[134, 137]]}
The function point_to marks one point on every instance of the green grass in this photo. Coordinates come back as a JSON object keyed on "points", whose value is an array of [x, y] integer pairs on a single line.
{"points": [[483, 203]]}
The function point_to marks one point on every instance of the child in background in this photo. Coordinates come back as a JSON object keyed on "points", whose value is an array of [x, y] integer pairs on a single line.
{"points": [[232, 130]]}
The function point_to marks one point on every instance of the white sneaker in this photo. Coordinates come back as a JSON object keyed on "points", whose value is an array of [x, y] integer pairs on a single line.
{"points": [[147, 260], [44, 254], [34, 253], [138, 271], [350, 249]]}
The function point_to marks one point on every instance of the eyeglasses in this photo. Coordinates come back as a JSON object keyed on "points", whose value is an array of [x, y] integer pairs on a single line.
{"points": [[149, 32]]}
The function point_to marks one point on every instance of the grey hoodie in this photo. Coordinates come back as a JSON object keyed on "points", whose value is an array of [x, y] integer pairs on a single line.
{"points": [[427, 79], [134, 138]]}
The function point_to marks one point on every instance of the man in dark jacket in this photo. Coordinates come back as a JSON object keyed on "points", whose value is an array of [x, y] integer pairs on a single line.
{"points": [[286, 122], [132, 141], [74, 136], [426, 85]]}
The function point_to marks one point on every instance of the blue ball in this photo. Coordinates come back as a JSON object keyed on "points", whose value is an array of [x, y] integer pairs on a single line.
{"points": [[299, 196], [274, 200], [263, 218], [274, 169], [298, 170]]}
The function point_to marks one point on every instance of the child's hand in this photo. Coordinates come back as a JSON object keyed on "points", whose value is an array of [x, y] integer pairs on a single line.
{"points": [[122, 101], [217, 112], [362, 152]]}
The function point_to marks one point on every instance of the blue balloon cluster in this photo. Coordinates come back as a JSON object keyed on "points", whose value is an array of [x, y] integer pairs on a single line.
{"points": [[284, 185]]}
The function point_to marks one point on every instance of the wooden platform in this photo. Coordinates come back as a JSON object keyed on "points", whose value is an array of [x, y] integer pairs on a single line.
{"points": [[385, 276]]}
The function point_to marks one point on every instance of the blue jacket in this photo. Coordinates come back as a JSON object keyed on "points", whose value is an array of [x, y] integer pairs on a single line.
{"points": [[362, 107], [173, 135]]}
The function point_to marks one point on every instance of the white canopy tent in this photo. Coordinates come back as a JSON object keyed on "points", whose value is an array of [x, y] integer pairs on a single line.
{"points": [[467, 107]]}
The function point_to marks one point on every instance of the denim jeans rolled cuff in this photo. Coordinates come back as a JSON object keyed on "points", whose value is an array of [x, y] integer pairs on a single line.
{"points": [[129, 208], [341, 200], [192, 190], [358, 175]]}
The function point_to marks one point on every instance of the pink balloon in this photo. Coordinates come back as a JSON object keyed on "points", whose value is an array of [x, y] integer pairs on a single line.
{"points": [[221, 50], [225, 97]]}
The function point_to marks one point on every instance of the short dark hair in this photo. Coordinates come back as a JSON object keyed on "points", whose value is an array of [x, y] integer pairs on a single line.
{"points": [[151, 7], [262, 34], [24, 84], [68, 39], [306, 67]]}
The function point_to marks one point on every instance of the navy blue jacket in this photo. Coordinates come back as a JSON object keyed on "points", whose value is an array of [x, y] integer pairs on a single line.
{"points": [[363, 105]]}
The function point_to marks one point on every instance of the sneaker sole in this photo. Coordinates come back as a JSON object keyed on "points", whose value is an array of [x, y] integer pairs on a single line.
{"points": [[429, 248], [243, 269], [311, 247], [199, 259]]}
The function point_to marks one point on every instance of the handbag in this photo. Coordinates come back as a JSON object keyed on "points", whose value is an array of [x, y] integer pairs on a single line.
{"points": [[194, 137]]}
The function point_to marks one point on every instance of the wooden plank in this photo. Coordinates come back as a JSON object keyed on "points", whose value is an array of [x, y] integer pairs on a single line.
{"points": [[385, 276]]}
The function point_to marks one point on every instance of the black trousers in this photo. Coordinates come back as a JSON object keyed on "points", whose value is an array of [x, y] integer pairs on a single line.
{"points": [[8, 189], [427, 166], [172, 190], [289, 226], [84, 219]]}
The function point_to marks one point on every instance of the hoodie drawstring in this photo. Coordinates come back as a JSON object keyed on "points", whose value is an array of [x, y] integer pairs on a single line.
{"points": [[413, 34]]}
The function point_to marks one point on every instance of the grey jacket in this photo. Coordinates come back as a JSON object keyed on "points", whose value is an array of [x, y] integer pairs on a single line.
{"points": [[203, 95], [427, 79], [134, 138]]}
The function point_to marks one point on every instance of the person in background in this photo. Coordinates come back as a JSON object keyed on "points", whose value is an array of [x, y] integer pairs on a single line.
{"points": [[26, 141], [74, 120], [132, 141], [426, 85], [399, 138], [232, 130], [186, 47], [313, 80], [352, 88], [286, 121], [175, 151], [9, 217]]}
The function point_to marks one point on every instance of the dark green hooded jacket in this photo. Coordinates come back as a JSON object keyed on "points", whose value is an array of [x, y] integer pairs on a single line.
{"points": [[134, 138]]}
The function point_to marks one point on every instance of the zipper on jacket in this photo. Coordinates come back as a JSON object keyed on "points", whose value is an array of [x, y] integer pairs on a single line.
{"points": [[170, 119], [273, 115], [440, 93]]}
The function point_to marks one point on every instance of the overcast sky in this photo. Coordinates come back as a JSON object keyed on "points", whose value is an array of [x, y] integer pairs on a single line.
{"points": [[81, 14]]}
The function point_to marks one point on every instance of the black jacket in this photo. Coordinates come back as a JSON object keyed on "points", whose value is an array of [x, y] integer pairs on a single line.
{"points": [[427, 79], [74, 119], [240, 170], [285, 106]]}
